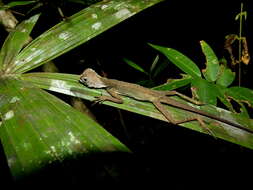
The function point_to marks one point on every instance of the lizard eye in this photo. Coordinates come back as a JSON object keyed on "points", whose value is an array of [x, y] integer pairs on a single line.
{"points": [[83, 80]]}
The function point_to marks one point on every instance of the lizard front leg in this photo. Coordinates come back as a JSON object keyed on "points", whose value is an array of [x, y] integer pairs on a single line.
{"points": [[113, 98]]}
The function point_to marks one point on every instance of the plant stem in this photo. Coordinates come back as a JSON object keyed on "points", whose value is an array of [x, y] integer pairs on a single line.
{"points": [[240, 46]]}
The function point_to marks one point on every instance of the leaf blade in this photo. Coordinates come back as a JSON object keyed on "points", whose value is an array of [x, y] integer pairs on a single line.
{"points": [[38, 129], [180, 60], [76, 30], [205, 91], [212, 64], [226, 77], [173, 84], [16, 40], [135, 66], [220, 130], [241, 94]]}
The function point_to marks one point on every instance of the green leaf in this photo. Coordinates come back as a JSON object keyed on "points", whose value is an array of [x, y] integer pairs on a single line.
{"points": [[16, 41], [226, 76], [153, 65], [173, 84], [36, 6], [68, 84], [77, 1], [59, 82], [76, 30], [38, 129], [180, 60], [212, 63], [244, 111], [135, 66], [241, 94], [241, 14], [221, 96], [147, 83], [205, 91], [16, 3], [159, 68]]}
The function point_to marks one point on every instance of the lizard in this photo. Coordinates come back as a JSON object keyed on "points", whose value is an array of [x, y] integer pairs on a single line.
{"points": [[117, 88]]}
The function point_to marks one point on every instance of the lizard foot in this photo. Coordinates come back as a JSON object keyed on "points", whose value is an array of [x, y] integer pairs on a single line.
{"points": [[98, 100], [204, 127]]}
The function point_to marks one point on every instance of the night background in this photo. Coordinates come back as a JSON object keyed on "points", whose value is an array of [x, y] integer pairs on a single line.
{"points": [[163, 154]]}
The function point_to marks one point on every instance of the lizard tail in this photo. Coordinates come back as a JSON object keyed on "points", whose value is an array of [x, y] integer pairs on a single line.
{"points": [[203, 113]]}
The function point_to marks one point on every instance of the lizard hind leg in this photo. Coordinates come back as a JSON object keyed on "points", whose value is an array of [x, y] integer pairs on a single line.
{"points": [[168, 116]]}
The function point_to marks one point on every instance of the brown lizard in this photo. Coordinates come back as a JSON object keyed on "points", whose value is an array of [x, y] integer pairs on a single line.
{"points": [[116, 88]]}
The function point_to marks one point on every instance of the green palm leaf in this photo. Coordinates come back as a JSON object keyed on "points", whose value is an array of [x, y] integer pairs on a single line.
{"points": [[16, 40], [76, 30], [36, 128], [68, 84]]}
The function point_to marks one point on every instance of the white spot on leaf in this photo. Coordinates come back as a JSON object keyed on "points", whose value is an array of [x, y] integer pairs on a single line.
{"points": [[64, 35], [96, 26], [23, 30], [9, 115], [33, 55], [60, 86], [8, 70], [122, 13], [14, 99], [73, 139], [53, 149], [95, 16], [104, 7], [16, 62], [11, 161]]}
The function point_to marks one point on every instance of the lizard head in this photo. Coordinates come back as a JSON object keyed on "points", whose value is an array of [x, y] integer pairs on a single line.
{"points": [[91, 79]]}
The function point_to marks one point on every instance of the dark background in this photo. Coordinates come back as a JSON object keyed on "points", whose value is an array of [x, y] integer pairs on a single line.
{"points": [[164, 154]]}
